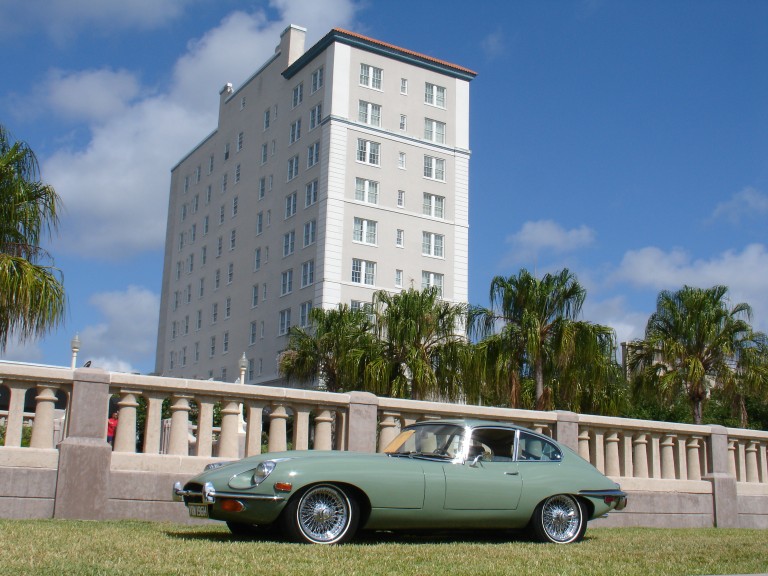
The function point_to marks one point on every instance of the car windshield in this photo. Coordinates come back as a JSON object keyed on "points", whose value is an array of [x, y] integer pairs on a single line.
{"points": [[443, 441]]}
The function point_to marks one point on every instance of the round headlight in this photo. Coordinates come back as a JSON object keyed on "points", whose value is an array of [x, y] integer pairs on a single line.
{"points": [[254, 477]]}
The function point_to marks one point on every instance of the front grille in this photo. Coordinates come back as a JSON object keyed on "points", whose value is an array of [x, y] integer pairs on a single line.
{"points": [[197, 493]]}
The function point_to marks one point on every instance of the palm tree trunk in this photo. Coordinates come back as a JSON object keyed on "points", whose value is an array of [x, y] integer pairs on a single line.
{"points": [[538, 368]]}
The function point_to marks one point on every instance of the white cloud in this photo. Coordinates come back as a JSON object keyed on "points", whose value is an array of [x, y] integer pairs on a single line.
{"points": [[129, 330], [613, 312], [27, 352], [541, 236], [493, 44], [747, 204], [115, 188]]}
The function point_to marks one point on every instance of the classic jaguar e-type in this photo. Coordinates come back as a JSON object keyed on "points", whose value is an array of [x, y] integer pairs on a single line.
{"points": [[438, 474]]}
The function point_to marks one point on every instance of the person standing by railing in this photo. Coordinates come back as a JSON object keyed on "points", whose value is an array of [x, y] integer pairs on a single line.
{"points": [[112, 428]]}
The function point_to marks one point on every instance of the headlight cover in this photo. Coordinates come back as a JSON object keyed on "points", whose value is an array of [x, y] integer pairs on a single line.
{"points": [[254, 477]]}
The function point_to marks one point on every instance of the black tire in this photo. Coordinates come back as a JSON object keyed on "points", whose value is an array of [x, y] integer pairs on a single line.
{"points": [[559, 519], [322, 514], [250, 530]]}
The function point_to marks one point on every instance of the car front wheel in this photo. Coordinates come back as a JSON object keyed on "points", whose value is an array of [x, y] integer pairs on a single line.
{"points": [[323, 514], [559, 519]]}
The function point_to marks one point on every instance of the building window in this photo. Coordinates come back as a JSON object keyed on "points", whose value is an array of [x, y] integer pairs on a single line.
{"points": [[310, 193], [434, 95], [434, 131], [262, 187], [242, 103], [285, 322], [369, 113], [201, 288], [197, 352], [317, 79], [208, 195], [198, 172], [199, 320], [219, 246], [266, 118], [400, 238], [313, 154], [230, 273], [234, 206], [368, 152], [433, 206], [228, 307], [364, 231], [226, 151], [366, 190], [286, 282], [306, 308], [398, 278], [403, 122], [224, 179], [254, 295], [289, 241], [257, 259], [237, 173], [293, 167], [217, 279], [434, 168], [307, 273], [315, 115], [290, 205], [295, 132], [225, 347], [403, 85], [298, 95], [203, 255], [401, 160], [259, 223], [232, 239], [210, 164], [363, 272], [432, 244], [432, 279], [401, 198], [264, 153], [240, 140], [370, 76], [253, 332], [310, 232], [213, 346], [214, 313]]}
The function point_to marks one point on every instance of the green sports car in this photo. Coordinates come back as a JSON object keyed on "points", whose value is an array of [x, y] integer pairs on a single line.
{"points": [[438, 474]]}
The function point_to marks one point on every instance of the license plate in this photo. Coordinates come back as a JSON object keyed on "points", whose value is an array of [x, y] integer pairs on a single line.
{"points": [[198, 510]]}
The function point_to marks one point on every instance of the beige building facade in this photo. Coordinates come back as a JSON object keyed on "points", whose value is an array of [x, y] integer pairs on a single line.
{"points": [[334, 172]]}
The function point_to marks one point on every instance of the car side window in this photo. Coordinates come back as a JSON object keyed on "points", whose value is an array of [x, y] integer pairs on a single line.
{"points": [[495, 444], [532, 448]]}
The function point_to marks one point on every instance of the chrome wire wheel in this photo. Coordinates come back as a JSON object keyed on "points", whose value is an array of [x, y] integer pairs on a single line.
{"points": [[324, 514], [559, 519]]}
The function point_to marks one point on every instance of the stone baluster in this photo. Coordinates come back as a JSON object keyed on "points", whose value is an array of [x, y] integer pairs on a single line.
{"points": [[301, 427], [323, 429], [42, 432], [625, 459], [179, 442], [682, 457], [540, 428], [254, 429], [654, 455], [153, 422], [15, 422], [387, 429], [763, 461], [204, 441], [229, 446], [597, 448], [640, 455], [612, 464], [342, 439], [668, 456], [732, 451], [584, 441], [125, 434], [277, 429], [693, 461], [751, 461]]}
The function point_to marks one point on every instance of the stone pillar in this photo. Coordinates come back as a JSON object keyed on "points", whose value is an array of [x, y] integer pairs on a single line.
{"points": [[692, 458], [15, 422], [179, 443], [342, 437], [254, 429], [724, 497], [640, 455], [584, 440], [125, 435], [323, 429], [732, 448], [229, 446], [153, 422], [612, 465], [751, 458], [277, 429], [82, 486], [567, 429], [301, 427], [668, 456], [387, 429], [363, 422], [204, 441], [598, 449], [42, 432]]}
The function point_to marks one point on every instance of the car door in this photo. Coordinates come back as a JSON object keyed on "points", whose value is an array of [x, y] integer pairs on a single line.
{"points": [[489, 479]]}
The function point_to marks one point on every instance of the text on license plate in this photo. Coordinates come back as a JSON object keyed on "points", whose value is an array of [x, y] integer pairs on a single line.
{"points": [[198, 510]]}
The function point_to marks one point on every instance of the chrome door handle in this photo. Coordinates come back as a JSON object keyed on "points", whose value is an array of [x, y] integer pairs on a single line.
{"points": [[511, 473]]}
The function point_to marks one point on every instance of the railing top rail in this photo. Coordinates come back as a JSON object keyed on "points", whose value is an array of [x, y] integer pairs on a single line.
{"points": [[460, 410], [747, 434], [643, 425]]}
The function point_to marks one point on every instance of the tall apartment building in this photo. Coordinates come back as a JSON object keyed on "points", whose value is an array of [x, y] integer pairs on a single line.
{"points": [[333, 173]]}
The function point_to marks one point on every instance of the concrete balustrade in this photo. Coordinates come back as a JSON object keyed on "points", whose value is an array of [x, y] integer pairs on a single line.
{"points": [[722, 472]]}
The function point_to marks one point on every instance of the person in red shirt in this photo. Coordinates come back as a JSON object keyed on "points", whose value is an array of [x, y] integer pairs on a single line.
{"points": [[111, 428]]}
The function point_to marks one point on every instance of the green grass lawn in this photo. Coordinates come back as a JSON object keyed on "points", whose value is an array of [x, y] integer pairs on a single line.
{"points": [[58, 547]]}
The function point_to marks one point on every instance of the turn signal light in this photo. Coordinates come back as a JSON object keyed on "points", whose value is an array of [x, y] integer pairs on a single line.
{"points": [[283, 486], [232, 506]]}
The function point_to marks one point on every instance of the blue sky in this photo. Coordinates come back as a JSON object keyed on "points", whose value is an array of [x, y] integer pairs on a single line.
{"points": [[624, 140]]}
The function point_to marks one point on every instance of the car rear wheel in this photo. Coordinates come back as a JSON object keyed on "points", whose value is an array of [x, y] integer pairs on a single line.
{"points": [[559, 519], [323, 514]]}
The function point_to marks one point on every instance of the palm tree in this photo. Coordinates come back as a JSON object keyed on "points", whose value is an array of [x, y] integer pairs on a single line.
{"points": [[32, 300], [694, 341], [422, 345], [540, 330], [333, 349]]}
